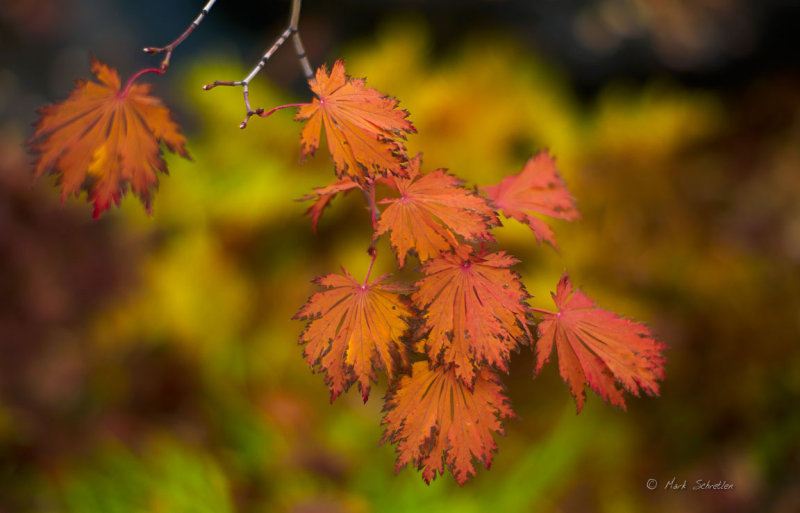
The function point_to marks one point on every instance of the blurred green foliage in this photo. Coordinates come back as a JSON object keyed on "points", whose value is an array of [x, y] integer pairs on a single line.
{"points": [[188, 391], [166, 478]]}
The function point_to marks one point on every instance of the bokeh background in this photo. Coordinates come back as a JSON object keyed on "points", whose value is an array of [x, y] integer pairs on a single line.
{"points": [[149, 364]]}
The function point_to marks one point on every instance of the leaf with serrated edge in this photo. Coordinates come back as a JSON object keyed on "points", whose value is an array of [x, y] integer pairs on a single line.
{"points": [[537, 189], [102, 139], [364, 128], [431, 210], [434, 418], [355, 330], [474, 310], [322, 197], [598, 348]]}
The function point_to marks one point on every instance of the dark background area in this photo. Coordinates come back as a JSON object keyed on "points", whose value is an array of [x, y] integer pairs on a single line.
{"points": [[719, 45]]}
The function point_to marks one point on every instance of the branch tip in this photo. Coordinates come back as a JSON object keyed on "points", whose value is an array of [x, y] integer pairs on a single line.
{"points": [[152, 50], [290, 31]]}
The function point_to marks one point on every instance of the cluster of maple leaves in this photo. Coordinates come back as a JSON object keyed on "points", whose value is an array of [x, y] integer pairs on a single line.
{"points": [[458, 323]]}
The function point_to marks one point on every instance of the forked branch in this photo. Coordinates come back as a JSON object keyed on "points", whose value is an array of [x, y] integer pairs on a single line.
{"points": [[171, 47], [291, 31]]}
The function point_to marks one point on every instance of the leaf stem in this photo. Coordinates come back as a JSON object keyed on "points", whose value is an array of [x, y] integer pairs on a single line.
{"points": [[124, 91], [279, 107], [369, 195], [541, 311], [290, 31], [170, 47], [374, 253]]}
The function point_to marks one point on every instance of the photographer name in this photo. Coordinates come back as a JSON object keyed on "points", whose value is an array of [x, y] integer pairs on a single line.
{"points": [[700, 484]]}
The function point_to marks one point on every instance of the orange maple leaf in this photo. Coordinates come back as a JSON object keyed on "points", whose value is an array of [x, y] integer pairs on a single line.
{"points": [[354, 330], [102, 138], [598, 348], [432, 208], [363, 127], [434, 418], [323, 197], [537, 189], [474, 310]]}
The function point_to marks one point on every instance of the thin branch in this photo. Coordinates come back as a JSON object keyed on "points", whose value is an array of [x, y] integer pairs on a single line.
{"points": [[171, 47], [294, 19], [369, 195], [291, 30]]}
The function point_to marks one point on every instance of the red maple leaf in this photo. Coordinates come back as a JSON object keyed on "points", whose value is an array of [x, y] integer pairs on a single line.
{"points": [[538, 189], [354, 330], [431, 209], [434, 418], [102, 138], [474, 310], [323, 197], [598, 348], [363, 127]]}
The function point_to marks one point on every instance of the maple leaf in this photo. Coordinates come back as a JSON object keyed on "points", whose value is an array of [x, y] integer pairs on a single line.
{"points": [[537, 189], [363, 127], [434, 418], [323, 197], [432, 208], [102, 139], [354, 330], [473, 310], [598, 348]]}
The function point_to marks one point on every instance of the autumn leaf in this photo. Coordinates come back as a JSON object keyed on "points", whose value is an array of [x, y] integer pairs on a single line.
{"points": [[355, 330], [435, 419], [537, 189], [322, 197], [364, 128], [431, 209], [598, 348], [473, 310], [102, 139]]}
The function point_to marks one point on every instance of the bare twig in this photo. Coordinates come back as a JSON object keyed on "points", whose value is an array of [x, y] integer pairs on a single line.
{"points": [[298, 43], [291, 31], [171, 47]]}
